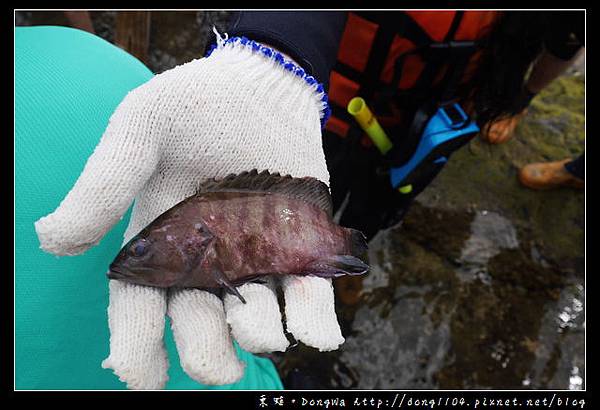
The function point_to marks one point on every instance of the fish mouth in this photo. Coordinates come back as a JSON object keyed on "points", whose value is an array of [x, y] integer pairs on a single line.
{"points": [[116, 274], [127, 276]]}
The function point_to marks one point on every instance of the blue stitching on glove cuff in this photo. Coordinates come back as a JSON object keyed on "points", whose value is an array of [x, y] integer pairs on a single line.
{"points": [[286, 64]]}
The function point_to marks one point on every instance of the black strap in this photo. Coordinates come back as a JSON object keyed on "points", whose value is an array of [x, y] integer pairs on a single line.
{"points": [[458, 15], [378, 54], [461, 54], [415, 33], [435, 56], [348, 72], [455, 56], [342, 114]]}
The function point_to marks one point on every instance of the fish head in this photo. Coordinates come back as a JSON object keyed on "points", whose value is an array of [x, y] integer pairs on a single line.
{"points": [[163, 255]]}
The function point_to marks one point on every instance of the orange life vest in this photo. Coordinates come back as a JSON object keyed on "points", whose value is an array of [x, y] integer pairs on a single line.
{"points": [[362, 42]]}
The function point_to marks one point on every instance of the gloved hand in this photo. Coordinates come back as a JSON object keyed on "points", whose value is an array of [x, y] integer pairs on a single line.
{"points": [[239, 109]]}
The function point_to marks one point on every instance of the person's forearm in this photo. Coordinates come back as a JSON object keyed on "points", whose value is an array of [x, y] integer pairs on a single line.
{"points": [[546, 69], [310, 38]]}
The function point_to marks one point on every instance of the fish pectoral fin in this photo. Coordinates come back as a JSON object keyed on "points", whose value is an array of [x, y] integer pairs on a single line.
{"points": [[336, 266], [227, 285]]}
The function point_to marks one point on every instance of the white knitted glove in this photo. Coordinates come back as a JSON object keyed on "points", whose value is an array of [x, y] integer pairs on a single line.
{"points": [[236, 110]]}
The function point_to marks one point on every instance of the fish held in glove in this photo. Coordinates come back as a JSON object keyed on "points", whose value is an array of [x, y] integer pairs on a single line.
{"points": [[240, 228]]}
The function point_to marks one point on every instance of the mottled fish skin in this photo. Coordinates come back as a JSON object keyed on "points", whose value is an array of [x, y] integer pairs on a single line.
{"points": [[226, 238], [262, 233]]}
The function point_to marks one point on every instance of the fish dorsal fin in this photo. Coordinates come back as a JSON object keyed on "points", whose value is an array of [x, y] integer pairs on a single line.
{"points": [[307, 189]]}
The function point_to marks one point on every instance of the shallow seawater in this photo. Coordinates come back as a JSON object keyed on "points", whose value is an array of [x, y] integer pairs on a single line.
{"points": [[466, 304]]}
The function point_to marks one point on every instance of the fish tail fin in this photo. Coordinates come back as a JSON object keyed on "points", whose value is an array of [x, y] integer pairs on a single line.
{"points": [[335, 266], [358, 243]]}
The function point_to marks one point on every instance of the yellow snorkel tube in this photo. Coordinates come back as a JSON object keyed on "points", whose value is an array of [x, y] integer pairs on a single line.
{"points": [[357, 107]]}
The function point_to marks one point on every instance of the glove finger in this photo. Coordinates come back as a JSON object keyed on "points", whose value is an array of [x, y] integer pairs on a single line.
{"points": [[256, 324], [119, 166], [310, 311], [136, 319], [202, 337]]}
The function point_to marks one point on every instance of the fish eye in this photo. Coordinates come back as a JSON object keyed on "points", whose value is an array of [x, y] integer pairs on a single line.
{"points": [[139, 247]]}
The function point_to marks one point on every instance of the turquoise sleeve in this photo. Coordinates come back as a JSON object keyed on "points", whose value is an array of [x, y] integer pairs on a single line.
{"points": [[67, 84]]}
